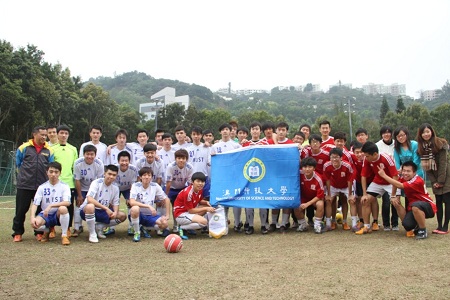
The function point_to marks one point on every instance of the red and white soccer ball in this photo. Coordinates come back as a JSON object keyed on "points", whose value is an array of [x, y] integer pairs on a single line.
{"points": [[173, 243]]}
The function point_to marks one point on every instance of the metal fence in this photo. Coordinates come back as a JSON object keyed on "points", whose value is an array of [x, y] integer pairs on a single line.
{"points": [[7, 168]]}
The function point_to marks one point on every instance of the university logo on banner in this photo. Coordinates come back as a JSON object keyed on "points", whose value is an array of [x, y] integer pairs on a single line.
{"points": [[257, 177]]}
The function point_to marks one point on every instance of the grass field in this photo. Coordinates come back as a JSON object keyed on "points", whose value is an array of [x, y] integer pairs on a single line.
{"points": [[338, 264]]}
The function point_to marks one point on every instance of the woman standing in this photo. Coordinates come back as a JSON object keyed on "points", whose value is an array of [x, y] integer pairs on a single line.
{"points": [[406, 150], [434, 160]]}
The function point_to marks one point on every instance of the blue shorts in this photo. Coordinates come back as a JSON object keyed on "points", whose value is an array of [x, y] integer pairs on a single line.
{"points": [[100, 216], [206, 188], [173, 193], [51, 220], [125, 194], [148, 220]]}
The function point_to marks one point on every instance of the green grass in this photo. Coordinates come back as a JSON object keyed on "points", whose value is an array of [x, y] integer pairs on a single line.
{"points": [[338, 264]]}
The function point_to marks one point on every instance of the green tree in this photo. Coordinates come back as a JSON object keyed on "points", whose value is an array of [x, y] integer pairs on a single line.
{"points": [[308, 87], [383, 110], [400, 105], [440, 120]]}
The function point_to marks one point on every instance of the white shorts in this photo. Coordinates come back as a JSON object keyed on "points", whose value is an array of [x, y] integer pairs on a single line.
{"points": [[335, 191], [381, 189], [185, 218]]}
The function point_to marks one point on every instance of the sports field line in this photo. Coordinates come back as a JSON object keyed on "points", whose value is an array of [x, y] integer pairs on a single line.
{"points": [[6, 202], [7, 208]]}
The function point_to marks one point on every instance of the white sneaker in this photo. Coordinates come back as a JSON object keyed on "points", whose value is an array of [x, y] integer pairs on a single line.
{"points": [[175, 229], [395, 228], [318, 228], [93, 238], [100, 234], [387, 228], [302, 227]]}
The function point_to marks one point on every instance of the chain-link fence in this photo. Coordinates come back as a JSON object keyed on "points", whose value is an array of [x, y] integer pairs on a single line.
{"points": [[7, 168]]}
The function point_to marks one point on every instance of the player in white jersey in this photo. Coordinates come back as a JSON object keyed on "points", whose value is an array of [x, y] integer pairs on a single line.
{"points": [[199, 155], [166, 153], [224, 145], [180, 135], [54, 198], [121, 139], [150, 161], [143, 197], [96, 208], [178, 175], [85, 170], [128, 174], [96, 134], [137, 148]]}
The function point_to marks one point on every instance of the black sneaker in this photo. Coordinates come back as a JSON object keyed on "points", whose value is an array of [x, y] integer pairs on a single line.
{"points": [[264, 230], [421, 234], [272, 227], [311, 223], [250, 230], [287, 226], [282, 229], [245, 226], [205, 230], [237, 229]]}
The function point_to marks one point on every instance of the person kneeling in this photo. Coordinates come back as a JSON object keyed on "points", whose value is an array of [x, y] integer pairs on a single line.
{"points": [[95, 207], [190, 207], [143, 197], [420, 205], [54, 197]]}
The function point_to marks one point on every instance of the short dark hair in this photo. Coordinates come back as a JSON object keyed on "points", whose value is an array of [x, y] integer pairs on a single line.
{"points": [[324, 122], [300, 134], [225, 125], [337, 151], [145, 170], [63, 127], [142, 131], [113, 168], [369, 148], [38, 128], [283, 125], [233, 123], [340, 136], [182, 153], [55, 165], [199, 176], [356, 145], [180, 128], [361, 130], [121, 131], [207, 131], [385, 128], [150, 147], [410, 163], [197, 129], [159, 130], [90, 148], [50, 126], [123, 154], [267, 125], [308, 161], [166, 136], [315, 137], [97, 127], [305, 125], [242, 128], [254, 124]]}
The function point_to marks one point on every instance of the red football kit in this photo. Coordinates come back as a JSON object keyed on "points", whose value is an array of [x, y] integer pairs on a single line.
{"points": [[321, 158], [339, 177], [187, 199], [370, 168], [310, 188], [415, 191]]}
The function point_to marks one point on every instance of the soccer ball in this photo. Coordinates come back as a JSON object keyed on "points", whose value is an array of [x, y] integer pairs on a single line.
{"points": [[173, 243], [339, 218]]}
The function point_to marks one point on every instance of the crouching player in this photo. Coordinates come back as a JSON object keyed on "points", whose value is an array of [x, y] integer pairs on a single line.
{"points": [[54, 198], [420, 205], [312, 194], [95, 208], [339, 181], [143, 197], [190, 207]]}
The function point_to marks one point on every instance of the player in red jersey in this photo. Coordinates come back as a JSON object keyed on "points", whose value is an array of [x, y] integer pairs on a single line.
{"points": [[338, 175], [320, 155], [312, 193], [325, 129], [378, 186], [190, 206], [420, 205]]}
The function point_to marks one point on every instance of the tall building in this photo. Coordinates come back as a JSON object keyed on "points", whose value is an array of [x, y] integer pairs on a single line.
{"points": [[393, 89], [429, 95]]}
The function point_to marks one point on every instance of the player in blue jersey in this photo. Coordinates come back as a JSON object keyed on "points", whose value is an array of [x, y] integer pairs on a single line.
{"points": [[54, 198]]}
